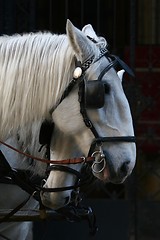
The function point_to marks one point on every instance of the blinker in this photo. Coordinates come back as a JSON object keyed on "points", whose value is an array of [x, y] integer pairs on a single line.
{"points": [[46, 131], [94, 94]]}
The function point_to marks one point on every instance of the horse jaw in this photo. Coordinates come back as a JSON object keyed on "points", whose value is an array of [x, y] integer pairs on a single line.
{"points": [[57, 200], [64, 148]]}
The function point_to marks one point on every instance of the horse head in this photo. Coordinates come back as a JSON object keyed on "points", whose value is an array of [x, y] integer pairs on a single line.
{"points": [[92, 118]]}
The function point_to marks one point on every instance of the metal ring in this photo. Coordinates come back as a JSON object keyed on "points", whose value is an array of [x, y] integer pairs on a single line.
{"points": [[104, 165], [95, 153], [84, 159]]}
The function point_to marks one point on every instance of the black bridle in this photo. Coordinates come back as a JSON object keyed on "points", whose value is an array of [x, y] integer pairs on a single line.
{"points": [[113, 61], [82, 84]]}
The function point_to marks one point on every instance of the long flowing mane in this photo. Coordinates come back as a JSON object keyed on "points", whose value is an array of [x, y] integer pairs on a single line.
{"points": [[29, 65]]}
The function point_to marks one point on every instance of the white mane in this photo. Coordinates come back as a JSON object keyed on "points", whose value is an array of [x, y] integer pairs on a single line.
{"points": [[29, 65]]}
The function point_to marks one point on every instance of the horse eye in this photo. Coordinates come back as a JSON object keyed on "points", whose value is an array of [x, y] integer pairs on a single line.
{"points": [[106, 88]]}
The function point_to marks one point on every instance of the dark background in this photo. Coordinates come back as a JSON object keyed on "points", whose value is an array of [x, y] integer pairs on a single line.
{"points": [[129, 211]]}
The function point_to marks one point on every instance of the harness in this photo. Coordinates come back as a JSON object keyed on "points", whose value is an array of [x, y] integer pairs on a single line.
{"points": [[91, 96]]}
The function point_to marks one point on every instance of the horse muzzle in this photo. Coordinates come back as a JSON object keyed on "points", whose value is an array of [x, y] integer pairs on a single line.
{"points": [[104, 168], [55, 200]]}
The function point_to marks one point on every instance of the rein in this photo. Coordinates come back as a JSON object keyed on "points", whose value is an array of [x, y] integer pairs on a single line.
{"points": [[64, 161]]}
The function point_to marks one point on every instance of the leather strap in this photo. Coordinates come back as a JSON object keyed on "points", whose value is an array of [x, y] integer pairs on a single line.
{"points": [[65, 161]]}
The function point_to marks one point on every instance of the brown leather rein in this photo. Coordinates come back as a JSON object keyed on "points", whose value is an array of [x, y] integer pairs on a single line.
{"points": [[64, 161]]}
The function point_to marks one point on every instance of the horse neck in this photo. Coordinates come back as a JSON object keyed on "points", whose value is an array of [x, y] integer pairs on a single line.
{"points": [[13, 158], [29, 142], [29, 94]]}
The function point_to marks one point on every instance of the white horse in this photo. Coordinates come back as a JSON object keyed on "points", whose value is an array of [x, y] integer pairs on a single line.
{"points": [[47, 76]]}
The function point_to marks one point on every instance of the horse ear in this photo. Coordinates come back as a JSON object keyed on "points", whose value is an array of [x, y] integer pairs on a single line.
{"points": [[89, 31], [120, 74], [79, 42]]}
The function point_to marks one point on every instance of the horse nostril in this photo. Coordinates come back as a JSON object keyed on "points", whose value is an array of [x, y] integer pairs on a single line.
{"points": [[124, 168]]}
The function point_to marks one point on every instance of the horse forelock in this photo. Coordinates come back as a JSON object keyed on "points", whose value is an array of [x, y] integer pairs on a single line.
{"points": [[32, 66]]}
